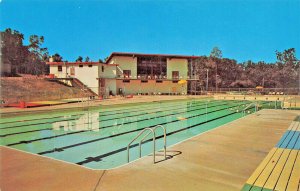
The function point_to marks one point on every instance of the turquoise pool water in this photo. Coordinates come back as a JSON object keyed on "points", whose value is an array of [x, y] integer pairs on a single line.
{"points": [[98, 139]]}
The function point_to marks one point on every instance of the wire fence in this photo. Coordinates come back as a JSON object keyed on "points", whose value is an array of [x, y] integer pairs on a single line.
{"points": [[262, 91]]}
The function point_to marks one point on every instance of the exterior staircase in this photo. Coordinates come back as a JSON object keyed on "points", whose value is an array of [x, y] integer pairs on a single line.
{"points": [[82, 86], [120, 72]]}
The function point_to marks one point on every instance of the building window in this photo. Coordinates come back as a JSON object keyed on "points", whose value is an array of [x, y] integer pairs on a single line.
{"points": [[102, 68], [126, 81], [175, 74], [127, 73], [72, 71], [80, 66], [175, 81], [59, 68], [90, 65], [159, 81], [154, 67], [144, 81]]}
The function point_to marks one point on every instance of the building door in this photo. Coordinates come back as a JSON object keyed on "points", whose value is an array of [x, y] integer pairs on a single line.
{"points": [[175, 75]]}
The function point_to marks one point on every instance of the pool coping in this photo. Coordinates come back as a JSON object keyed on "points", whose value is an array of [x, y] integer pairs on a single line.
{"points": [[103, 103]]}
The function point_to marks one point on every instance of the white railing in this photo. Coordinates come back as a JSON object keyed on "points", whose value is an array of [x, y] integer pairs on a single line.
{"points": [[150, 131]]}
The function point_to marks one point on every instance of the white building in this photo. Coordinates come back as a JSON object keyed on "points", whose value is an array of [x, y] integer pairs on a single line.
{"points": [[129, 73]]}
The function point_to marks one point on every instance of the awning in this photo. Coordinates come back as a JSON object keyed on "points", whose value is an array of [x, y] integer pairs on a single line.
{"points": [[182, 82]]}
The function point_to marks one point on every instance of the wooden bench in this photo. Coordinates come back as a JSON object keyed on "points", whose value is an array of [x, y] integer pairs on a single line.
{"points": [[280, 169]]}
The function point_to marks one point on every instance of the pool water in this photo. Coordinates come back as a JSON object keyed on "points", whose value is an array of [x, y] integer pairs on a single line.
{"points": [[98, 138]]}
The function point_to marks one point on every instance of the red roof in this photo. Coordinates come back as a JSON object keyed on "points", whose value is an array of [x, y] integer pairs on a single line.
{"points": [[78, 63], [148, 55], [72, 63]]}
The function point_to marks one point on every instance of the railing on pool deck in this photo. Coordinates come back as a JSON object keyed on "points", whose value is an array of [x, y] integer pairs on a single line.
{"points": [[249, 106], [256, 107], [150, 130]]}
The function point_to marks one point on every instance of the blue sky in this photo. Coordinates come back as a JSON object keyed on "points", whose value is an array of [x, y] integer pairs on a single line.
{"points": [[243, 30]]}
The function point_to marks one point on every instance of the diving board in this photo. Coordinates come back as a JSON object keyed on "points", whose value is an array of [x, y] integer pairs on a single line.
{"points": [[280, 169]]}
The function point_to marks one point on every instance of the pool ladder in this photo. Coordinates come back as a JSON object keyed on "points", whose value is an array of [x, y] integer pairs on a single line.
{"points": [[149, 130], [250, 105]]}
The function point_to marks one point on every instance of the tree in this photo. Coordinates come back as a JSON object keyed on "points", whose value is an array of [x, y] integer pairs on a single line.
{"points": [[79, 59], [87, 59], [13, 50], [106, 58], [287, 66], [215, 55], [57, 58], [287, 57], [35, 46], [28, 59], [37, 57]]}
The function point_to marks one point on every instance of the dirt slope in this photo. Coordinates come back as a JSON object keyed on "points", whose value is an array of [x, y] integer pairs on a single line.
{"points": [[15, 89]]}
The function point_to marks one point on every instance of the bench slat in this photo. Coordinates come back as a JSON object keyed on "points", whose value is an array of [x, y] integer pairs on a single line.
{"points": [[285, 175], [269, 168], [294, 140], [283, 138], [271, 182], [288, 139], [293, 183], [292, 125], [261, 167]]}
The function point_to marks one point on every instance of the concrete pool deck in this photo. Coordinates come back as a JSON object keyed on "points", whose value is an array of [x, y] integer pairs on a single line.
{"points": [[221, 159]]}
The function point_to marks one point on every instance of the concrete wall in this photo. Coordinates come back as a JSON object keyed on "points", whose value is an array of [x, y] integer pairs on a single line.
{"points": [[176, 64], [126, 63], [136, 86], [87, 75], [54, 70], [109, 71], [111, 85]]}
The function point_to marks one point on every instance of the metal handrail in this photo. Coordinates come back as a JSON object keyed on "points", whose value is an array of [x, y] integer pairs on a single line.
{"points": [[120, 69], [151, 130], [248, 106], [165, 139]]}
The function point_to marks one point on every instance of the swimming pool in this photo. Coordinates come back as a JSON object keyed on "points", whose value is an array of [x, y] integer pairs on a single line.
{"points": [[98, 138]]}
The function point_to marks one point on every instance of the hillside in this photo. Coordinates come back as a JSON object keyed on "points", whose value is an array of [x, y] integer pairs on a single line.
{"points": [[15, 89]]}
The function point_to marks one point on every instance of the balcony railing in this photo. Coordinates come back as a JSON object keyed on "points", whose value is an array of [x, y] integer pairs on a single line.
{"points": [[155, 77]]}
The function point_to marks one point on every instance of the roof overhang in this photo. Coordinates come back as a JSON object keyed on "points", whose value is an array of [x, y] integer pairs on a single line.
{"points": [[170, 56], [79, 63], [73, 63]]}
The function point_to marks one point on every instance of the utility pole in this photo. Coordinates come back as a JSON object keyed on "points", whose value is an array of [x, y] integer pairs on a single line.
{"points": [[206, 80], [216, 77]]}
